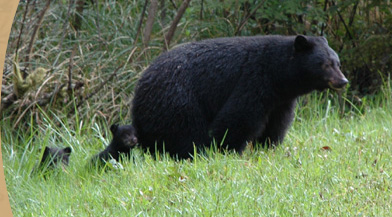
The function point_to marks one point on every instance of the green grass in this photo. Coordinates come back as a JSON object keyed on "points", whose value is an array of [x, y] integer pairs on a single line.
{"points": [[297, 178]]}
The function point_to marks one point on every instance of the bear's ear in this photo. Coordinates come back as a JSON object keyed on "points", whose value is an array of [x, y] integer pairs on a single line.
{"points": [[46, 153], [67, 150], [114, 128], [301, 43]]}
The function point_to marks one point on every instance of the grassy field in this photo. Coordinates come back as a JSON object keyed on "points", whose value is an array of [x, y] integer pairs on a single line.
{"points": [[328, 165]]}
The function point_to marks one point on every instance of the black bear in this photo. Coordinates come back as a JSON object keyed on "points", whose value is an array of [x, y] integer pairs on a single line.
{"points": [[124, 139], [52, 158], [239, 88]]}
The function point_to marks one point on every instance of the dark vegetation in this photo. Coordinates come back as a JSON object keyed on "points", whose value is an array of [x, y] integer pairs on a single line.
{"points": [[82, 58]]}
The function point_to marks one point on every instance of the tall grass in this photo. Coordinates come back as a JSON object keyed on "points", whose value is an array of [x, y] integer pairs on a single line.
{"points": [[105, 44], [328, 165]]}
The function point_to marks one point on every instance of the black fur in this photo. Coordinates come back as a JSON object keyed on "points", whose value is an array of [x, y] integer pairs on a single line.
{"points": [[124, 139], [245, 86], [53, 156]]}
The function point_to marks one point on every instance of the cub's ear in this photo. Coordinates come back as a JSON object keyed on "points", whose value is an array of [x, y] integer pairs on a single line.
{"points": [[46, 153], [301, 43], [114, 128], [67, 150]]}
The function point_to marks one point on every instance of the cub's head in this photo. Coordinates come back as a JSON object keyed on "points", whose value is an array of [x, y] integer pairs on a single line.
{"points": [[54, 156], [318, 63], [123, 136]]}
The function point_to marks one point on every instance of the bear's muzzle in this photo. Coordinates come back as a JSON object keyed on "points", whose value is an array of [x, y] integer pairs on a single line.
{"points": [[338, 84]]}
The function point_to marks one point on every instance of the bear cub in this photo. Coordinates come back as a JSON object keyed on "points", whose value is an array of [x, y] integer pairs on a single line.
{"points": [[124, 139], [53, 156]]}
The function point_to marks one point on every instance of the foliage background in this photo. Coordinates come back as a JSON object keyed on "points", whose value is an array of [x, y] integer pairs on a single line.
{"points": [[94, 50]]}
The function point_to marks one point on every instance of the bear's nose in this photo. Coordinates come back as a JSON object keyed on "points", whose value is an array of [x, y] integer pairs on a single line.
{"points": [[338, 84], [341, 83]]}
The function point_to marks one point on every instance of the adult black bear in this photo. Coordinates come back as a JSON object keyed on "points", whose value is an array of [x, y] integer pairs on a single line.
{"points": [[124, 139], [243, 88]]}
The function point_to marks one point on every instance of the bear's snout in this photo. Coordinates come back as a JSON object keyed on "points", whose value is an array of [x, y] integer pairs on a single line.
{"points": [[134, 140], [338, 84]]}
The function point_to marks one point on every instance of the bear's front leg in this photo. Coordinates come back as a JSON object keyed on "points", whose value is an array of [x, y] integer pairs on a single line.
{"points": [[279, 121], [236, 123]]}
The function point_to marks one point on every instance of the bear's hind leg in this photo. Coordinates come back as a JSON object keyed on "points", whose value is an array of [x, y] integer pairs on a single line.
{"points": [[191, 132]]}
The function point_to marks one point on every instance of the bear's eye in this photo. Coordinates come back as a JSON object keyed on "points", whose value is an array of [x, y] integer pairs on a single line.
{"points": [[328, 63]]}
